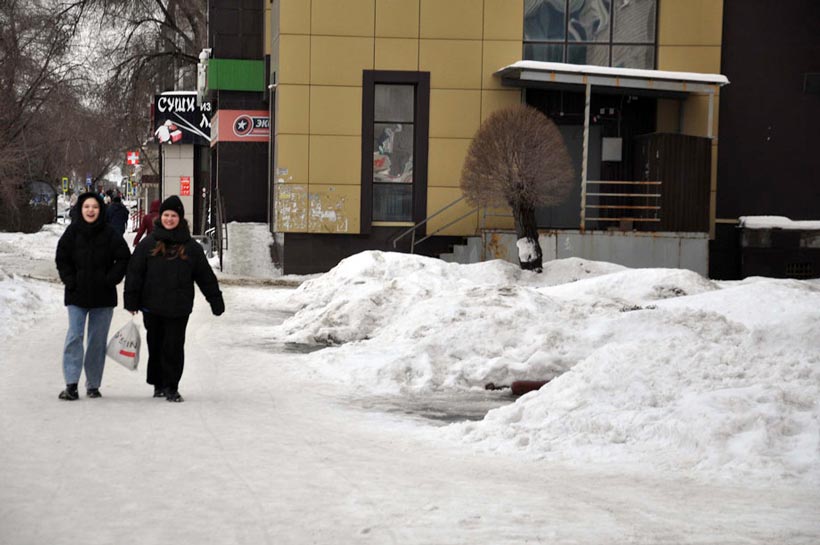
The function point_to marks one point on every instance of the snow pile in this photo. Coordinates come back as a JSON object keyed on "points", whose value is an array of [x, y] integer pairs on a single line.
{"points": [[23, 301], [685, 386], [458, 326], [248, 253], [653, 367], [31, 255], [41, 245], [374, 294]]}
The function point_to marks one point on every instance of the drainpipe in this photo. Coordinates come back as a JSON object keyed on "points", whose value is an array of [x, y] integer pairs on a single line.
{"points": [[585, 154], [711, 115]]}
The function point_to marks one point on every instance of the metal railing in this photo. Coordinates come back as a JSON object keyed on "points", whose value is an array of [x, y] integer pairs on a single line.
{"points": [[630, 205], [220, 231], [412, 230]]}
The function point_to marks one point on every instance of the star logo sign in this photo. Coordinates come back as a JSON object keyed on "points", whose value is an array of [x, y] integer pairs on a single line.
{"points": [[243, 125]]}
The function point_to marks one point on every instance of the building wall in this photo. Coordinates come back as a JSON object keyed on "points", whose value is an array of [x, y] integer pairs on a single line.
{"points": [[769, 120], [689, 40], [239, 31], [319, 51], [178, 161], [769, 160], [635, 249]]}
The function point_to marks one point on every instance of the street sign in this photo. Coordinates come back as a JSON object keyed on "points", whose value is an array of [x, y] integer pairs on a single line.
{"points": [[65, 184], [132, 157], [88, 180]]}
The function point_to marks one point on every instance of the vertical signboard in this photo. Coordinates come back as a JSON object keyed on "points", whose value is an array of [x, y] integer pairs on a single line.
{"points": [[184, 186]]}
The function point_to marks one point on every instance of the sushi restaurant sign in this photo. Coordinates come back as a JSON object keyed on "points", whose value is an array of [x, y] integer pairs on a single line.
{"points": [[178, 120]]}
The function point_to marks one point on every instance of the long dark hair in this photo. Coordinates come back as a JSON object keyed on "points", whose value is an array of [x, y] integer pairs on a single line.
{"points": [[172, 252]]}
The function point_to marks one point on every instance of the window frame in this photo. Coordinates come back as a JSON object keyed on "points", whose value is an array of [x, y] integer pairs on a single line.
{"points": [[421, 124], [610, 43]]}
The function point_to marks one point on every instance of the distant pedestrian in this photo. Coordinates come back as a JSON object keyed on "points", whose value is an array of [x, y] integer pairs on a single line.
{"points": [[91, 260], [117, 215], [160, 283], [73, 211], [147, 222]]}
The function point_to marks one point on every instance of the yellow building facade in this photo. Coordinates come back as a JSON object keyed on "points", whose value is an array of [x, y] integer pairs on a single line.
{"points": [[320, 50]]}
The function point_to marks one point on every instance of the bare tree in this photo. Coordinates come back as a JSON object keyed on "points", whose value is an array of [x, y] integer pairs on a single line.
{"points": [[35, 68], [157, 50], [59, 117], [518, 158]]}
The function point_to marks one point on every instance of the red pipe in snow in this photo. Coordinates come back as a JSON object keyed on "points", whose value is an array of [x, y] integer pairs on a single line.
{"points": [[521, 387]]}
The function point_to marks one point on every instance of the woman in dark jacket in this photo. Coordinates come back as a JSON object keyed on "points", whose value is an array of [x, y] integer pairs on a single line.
{"points": [[147, 222], [92, 259], [117, 215], [160, 283]]}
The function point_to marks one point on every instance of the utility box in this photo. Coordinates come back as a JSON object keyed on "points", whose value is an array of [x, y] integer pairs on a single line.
{"points": [[611, 149], [780, 253]]}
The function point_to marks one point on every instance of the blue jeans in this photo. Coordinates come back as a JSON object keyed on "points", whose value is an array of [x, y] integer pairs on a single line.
{"points": [[99, 320]]}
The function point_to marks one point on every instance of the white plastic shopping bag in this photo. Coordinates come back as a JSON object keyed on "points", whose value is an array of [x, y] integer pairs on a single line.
{"points": [[124, 346]]}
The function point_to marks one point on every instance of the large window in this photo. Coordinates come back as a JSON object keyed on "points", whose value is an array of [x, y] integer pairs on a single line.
{"points": [[619, 33], [395, 107], [393, 117]]}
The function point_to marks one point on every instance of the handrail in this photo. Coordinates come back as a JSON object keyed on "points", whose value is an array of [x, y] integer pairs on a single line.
{"points": [[442, 228], [424, 221]]}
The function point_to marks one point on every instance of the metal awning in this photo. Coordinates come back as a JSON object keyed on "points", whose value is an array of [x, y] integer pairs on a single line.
{"points": [[583, 77], [657, 82]]}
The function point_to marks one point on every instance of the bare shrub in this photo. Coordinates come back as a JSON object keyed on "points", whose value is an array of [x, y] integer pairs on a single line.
{"points": [[518, 158]]}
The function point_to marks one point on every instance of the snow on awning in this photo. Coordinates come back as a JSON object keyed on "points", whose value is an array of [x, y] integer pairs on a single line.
{"points": [[778, 222], [539, 74]]}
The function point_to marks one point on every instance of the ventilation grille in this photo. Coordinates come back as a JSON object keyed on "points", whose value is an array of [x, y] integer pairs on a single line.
{"points": [[799, 270]]}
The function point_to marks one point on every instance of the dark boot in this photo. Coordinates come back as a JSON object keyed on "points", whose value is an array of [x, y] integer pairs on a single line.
{"points": [[173, 396], [70, 393], [159, 391], [93, 393]]}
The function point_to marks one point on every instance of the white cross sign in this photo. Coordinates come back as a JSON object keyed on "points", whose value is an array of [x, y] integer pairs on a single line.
{"points": [[132, 157]]}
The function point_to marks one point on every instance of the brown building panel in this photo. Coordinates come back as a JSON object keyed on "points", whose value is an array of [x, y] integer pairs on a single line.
{"points": [[769, 125]]}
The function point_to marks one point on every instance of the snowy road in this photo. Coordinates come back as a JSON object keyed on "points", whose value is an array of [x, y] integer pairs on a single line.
{"points": [[262, 453]]}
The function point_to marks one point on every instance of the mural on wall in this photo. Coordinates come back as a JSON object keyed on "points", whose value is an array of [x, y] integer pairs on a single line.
{"points": [[291, 208], [327, 213]]}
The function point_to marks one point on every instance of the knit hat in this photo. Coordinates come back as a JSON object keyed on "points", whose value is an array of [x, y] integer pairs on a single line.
{"points": [[172, 203], [91, 195]]}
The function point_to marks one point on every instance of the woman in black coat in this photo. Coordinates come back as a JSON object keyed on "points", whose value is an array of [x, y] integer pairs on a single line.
{"points": [[160, 283], [91, 259]]}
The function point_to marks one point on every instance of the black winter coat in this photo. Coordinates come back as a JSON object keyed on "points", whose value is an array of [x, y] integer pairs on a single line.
{"points": [[164, 284], [92, 259], [117, 215]]}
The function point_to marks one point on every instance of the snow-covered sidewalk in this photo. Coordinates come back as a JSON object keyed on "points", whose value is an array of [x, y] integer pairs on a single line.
{"points": [[269, 447], [259, 454]]}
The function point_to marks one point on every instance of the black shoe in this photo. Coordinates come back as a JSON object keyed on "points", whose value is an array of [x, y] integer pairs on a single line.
{"points": [[159, 392], [70, 393], [93, 393], [173, 396]]}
